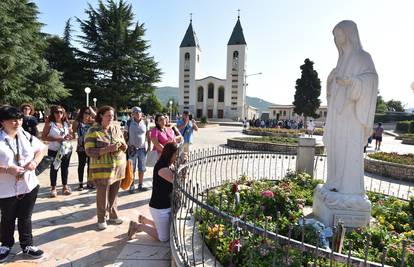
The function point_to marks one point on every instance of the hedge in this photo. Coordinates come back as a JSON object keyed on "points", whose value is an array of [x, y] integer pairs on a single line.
{"points": [[405, 126], [390, 117]]}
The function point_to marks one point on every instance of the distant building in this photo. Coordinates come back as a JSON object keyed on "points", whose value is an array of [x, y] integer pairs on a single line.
{"points": [[211, 96], [285, 112]]}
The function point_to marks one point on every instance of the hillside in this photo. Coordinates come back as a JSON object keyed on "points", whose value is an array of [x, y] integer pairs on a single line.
{"points": [[167, 92]]}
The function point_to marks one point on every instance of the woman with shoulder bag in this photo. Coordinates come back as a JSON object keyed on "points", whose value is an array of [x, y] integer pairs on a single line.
{"points": [[105, 145], [80, 126], [18, 182], [58, 131]]}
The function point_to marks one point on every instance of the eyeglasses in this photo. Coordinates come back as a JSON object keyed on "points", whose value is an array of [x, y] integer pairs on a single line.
{"points": [[26, 108]]}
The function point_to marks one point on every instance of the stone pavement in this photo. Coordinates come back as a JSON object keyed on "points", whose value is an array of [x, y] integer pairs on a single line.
{"points": [[65, 227]]}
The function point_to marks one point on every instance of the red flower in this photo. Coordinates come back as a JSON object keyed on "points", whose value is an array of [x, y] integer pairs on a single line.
{"points": [[268, 193], [234, 246], [234, 187]]}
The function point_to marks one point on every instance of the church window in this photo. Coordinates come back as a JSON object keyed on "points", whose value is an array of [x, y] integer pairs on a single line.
{"points": [[187, 61], [186, 86], [186, 75], [274, 112], [210, 91], [234, 81], [235, 60], [187, 56], [235, 54], [186, 81], [200, 94], [186, 102], [284, 113], [234, 86], [326, 113], [221, 94]]}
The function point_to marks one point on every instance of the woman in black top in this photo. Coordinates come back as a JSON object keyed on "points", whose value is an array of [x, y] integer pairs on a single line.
{"points": [[160, 203]]}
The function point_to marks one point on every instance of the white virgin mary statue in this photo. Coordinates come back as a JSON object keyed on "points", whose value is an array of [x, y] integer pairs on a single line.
{"points": [[352, 89]]}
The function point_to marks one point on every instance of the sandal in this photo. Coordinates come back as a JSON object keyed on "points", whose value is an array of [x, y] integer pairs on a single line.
{"points": [[133, 229], [53, 193], [66, 191], [140, 218]]}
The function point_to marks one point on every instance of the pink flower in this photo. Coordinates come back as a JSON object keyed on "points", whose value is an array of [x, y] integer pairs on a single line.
{"points": [[268, 194]]}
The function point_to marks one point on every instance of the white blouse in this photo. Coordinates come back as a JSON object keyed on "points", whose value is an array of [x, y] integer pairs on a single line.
{"points": [[8, 185], [56, 132]]}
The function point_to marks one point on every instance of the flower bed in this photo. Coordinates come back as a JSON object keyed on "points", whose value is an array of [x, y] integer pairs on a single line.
{"points": [[288, 145], [278, 207], [279, 131], [405, 159]]}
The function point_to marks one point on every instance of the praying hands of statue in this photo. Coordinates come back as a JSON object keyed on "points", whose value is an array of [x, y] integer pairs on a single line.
{"points": [[343, 81]]}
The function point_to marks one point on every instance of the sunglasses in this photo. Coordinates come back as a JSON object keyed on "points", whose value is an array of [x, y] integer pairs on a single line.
{"points": [[58, 112]]}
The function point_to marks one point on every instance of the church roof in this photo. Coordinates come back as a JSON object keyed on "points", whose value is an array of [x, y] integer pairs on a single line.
{"points": [[237, 36], [190, 38]]}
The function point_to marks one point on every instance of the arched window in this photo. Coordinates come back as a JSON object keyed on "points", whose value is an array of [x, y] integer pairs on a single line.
{"points": [[235, 60], [200, 94], [187, 56], [221, 94], [235, 54], [211, 91]]}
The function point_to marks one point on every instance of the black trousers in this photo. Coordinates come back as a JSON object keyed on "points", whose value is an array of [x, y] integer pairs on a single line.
{"points": [[64, 168], [22, 209], [83, 160]]}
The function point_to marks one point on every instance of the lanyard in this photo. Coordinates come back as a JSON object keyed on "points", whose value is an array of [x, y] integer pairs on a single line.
{"points": [[16, 153]]}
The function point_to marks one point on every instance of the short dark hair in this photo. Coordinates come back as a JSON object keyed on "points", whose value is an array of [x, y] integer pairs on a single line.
{"points": [[101, 112], [10, 113], [185, 112]]}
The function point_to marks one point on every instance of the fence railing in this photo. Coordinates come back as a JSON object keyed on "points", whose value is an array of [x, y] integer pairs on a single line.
{"points": [[209, 168]]}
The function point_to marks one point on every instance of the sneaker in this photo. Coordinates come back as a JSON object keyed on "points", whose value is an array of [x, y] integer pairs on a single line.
{"points": [[116, 221], [141, 188], [102, 226], [33, 252], [4, 253], [132, 189]]}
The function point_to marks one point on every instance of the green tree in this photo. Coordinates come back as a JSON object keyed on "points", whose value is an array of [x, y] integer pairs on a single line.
{"points": [[117, 53], [308, 90], [174, 106], [395, 105], [75, 74], [151, 105], [24, 74], [381, 105]]}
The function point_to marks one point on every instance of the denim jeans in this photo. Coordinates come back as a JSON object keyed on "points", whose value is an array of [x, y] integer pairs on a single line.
{"points": [[139, 158]]}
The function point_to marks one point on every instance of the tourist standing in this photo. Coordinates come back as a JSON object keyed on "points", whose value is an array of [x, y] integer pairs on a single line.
{"points": [[29, 121], [58, 131], [137, 135], [105, 145], [378, 131], [160, 134], [311, 128], [160, 203], [19, 156], [80, 126], [187, 125]]}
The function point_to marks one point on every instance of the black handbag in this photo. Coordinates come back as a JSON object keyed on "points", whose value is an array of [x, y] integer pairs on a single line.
{"points": [[44, 164]]}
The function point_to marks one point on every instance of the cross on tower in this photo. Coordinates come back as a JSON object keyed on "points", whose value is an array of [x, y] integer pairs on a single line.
{"points": [[191, 17], [238, 13]]}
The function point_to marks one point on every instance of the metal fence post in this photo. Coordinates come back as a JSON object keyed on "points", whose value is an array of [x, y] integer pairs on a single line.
{"points": [[306, 155]]}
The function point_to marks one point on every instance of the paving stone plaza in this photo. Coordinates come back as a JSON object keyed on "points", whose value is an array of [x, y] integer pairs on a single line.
{"points": [[65, 227]]}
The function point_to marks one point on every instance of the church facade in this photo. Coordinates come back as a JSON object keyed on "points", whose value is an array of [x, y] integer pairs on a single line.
{"points": [[210, 96]]}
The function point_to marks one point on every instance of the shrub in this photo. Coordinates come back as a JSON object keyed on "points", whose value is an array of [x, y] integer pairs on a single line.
{"points": [[412, 127], [403, 126], [390, 117], [203, 119], [406, 159]]}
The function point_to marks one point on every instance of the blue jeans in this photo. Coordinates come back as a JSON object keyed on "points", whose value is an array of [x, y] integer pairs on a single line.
{"points": [[139, 159]]}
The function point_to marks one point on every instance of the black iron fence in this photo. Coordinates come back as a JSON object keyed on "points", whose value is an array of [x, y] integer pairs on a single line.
{"points": [[196, 221]]}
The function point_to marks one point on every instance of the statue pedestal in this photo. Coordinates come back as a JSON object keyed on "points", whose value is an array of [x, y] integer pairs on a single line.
{"points": [[330, 207]]}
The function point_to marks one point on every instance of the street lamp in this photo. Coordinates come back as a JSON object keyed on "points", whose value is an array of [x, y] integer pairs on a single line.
{"points": [[87, 91], [94, 101], [171, 102]]}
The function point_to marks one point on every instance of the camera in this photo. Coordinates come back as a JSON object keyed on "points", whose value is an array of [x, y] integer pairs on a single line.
{"points": [[190, 117]]}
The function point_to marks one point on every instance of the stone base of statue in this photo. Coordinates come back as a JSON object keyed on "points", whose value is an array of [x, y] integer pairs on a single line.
{"points": [[330, 207]]}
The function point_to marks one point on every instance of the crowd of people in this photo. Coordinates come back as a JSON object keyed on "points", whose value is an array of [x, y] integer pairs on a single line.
{"points": [[274, 123], [103, 148]]}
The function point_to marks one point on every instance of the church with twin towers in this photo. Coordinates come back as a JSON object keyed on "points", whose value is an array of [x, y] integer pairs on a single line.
{"points": [[210, 96]]}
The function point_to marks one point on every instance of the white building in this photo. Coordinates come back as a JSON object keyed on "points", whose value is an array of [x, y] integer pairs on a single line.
{"points": [[211, 96], [285, 112]]}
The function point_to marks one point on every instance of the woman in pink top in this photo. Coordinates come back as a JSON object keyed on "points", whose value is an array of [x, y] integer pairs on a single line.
{"points": [[160, 134]]}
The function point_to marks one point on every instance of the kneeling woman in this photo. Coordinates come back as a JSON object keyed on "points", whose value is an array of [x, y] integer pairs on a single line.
{"points": [[160, 203]]}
